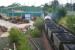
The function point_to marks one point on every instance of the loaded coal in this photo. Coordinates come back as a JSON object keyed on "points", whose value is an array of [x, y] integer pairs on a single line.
{"points": [[65, 38], [68, 46], [58, 35]]}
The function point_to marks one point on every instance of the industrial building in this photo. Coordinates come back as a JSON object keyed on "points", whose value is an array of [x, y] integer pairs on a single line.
{"points": [[23, 11]]}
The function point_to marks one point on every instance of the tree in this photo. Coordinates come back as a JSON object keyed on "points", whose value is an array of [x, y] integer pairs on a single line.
{"points": [[55, 4], [68, 6], [61, 12], [14, 5], [47, 8], [2, 6], [74, 6]]}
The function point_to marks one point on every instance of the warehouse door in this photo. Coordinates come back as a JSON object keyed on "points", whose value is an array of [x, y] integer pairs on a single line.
{"points": [[27, 16]]}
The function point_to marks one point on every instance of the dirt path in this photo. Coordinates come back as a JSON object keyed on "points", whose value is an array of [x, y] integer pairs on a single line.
{"points": [[46, 43], [9, 25]]}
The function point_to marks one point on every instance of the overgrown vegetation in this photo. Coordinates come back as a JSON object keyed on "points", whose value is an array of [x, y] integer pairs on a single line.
{"points": [[35, 33], [38, 27], [21, 40], [39, 23], [60, 13], [69, 22]]}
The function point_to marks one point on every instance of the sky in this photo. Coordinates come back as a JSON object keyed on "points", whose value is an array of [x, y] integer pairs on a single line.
{"points": [[30, 2]]}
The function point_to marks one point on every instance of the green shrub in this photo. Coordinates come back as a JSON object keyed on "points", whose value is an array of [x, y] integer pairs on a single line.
{"points": [[21, 40], [63, 21], [71, 23], [60, 13], [39, 22], [14, 35], [23, 44], [35, 33]]}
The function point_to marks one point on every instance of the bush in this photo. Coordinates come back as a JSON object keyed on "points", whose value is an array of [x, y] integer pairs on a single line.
{"points": [[16, 36], [39, 23], [58, 14], [35, 33], [61, 12], [71, 23], [23, 44]]}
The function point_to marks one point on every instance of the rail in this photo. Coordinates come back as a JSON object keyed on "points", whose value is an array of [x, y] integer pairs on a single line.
{"points": [[36, 45]]}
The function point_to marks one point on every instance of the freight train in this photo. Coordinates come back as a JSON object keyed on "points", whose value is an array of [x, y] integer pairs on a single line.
{"points": [[59, 37]]}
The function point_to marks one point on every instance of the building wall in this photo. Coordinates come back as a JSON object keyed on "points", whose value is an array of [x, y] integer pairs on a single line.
{"points": [[22, 14], [12, 11]]}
